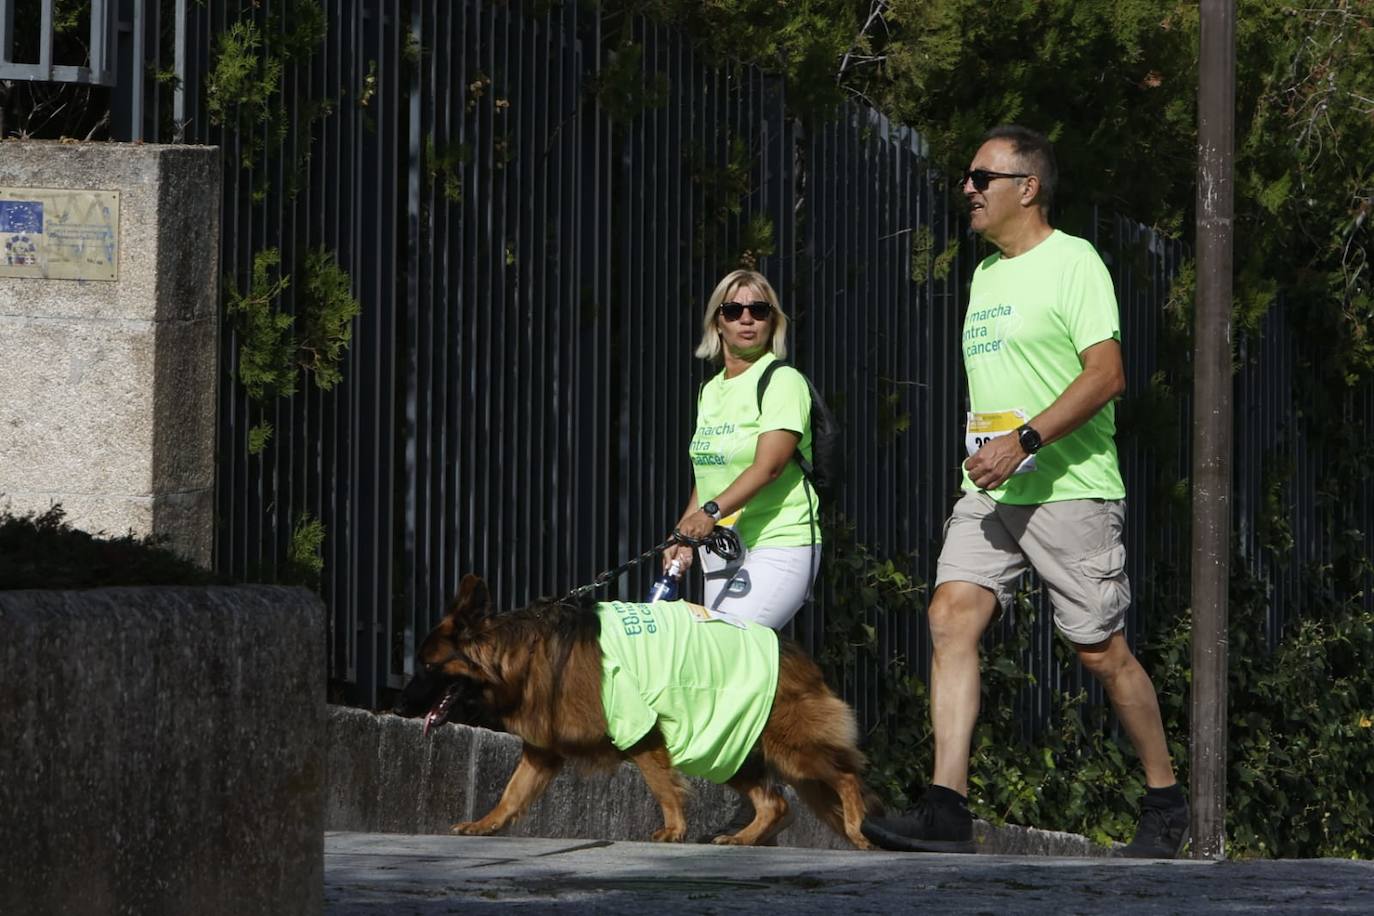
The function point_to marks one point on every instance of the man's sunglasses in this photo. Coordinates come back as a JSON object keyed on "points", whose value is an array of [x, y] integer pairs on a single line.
{"points": [[981, 178], [733, 310]]}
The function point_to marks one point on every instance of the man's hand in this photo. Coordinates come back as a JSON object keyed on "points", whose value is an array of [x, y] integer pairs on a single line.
{"points": [[996, 461]]}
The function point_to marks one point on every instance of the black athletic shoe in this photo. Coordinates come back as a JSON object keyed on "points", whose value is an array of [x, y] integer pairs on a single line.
{"points": [[1162, 832], [938, 823]]}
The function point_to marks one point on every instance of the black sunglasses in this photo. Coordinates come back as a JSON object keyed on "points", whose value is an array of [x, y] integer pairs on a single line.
{"points": [[981, 178], [733, 310]]}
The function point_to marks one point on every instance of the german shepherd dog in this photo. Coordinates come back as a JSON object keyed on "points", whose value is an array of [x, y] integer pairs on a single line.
{"points": [[537, 673]]}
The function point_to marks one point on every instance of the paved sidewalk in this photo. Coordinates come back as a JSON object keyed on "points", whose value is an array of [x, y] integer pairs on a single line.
{"points": [[400, 874]]}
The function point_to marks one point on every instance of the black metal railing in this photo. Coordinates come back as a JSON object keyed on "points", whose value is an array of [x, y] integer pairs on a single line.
{"points": [[532, 243]]}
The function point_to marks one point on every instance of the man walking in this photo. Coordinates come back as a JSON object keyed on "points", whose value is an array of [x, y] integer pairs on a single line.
{"points": [[1042, 489]]}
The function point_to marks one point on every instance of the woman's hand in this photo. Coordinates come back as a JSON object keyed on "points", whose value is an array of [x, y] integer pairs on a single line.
{"points": [[680, 552], [697, 525]]}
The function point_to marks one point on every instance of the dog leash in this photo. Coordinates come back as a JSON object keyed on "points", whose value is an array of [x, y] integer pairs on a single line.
{"points": [[723, 542]]}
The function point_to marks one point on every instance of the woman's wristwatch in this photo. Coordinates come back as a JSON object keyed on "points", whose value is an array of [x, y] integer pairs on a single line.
{"points": [[711, 509]]}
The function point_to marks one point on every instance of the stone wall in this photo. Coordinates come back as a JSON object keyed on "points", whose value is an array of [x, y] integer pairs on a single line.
{"points": [[162, 751], [386, 777], [107, 388]]}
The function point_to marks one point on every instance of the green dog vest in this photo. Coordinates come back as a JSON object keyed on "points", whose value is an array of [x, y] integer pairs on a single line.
{"points": [[707, 682]]}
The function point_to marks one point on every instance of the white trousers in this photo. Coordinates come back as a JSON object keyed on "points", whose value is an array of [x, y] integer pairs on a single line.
{"points": [[767, 585]]}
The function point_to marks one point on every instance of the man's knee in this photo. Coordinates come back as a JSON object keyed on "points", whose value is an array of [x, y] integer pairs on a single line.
{"points": [[959, 612], [1108, 659]]}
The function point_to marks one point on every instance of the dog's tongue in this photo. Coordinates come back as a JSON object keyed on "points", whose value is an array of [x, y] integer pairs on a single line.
{"points": [[439, 712]]}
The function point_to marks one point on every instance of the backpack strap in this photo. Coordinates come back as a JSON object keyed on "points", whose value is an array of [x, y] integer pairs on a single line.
{"points": [[767, 376], [806, 469], [808, 474]]}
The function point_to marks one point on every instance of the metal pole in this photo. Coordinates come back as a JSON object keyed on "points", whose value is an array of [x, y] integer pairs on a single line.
{"points": [[179, 89], [1212, 425], [45, 41]]}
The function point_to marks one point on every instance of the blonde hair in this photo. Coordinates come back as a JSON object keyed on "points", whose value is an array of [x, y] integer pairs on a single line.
{"points": [[709, 348]]}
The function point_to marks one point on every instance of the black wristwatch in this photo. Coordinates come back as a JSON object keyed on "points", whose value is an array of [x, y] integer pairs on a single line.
{"points": [[711, 509], [1030, 439]]}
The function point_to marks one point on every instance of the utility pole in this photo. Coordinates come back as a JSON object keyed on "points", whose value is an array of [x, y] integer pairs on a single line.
{"points": [[1212, 423]]}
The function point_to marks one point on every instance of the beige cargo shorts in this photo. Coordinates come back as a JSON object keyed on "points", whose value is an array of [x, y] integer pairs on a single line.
{"points": [[1074, 546]]}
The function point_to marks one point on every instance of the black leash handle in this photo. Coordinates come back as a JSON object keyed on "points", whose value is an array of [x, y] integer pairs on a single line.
{"points": [[723, 542]]}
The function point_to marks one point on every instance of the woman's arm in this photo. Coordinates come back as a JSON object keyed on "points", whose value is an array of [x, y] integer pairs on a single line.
{"points": [[772, 451], [681, 552]]}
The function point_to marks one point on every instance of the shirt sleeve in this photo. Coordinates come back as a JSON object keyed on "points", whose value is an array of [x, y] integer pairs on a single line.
{"points": [[1089, 302], [786, 403], [628, 717]]}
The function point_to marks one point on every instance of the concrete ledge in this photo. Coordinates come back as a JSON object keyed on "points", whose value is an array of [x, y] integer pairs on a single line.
{"points": [[385, 777], [162, 751]]}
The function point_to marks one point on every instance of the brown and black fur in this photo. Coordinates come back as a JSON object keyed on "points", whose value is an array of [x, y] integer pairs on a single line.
{"points": [[537, 673]]}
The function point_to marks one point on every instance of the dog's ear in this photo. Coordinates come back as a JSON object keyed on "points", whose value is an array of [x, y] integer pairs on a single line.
{"points": [[473, 600]]}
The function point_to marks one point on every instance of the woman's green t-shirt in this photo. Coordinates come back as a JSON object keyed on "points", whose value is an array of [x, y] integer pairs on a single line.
{"points": [[785, 512]]}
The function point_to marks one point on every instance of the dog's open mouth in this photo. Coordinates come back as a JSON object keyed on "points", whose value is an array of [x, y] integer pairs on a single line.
{"points": [[438, 713]]}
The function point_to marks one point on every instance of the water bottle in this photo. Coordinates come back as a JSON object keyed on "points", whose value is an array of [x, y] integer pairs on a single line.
{"points": [[665, 586]]}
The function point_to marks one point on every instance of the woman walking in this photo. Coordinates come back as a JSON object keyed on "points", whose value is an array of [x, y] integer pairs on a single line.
{"points": [[742, 450]]}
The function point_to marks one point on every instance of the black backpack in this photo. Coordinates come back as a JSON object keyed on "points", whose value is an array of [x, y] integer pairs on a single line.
{"points": [[826, 467]]}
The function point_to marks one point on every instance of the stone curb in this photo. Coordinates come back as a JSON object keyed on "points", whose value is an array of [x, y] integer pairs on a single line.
{"points": [[384, 776]]}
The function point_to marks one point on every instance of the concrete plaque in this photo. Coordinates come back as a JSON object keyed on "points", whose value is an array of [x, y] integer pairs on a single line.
{"points": [[59, 234]]}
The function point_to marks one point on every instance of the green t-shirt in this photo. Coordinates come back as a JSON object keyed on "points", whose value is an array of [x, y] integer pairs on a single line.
{"points": [[708, 683], [1028, 319], [729, 422]]}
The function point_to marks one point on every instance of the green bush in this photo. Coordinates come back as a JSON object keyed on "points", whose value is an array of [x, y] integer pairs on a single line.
{"points": [[1300, 748], [1300, 779], [41, 550]]}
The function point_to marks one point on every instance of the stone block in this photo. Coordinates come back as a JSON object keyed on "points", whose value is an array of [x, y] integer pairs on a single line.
{"points": [[168, 229], [108, 389], [442, 796], [163, 751], [351, 794]]}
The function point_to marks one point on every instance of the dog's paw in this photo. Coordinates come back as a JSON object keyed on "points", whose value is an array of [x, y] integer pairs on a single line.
{"points": [[470, 828], [861, 843], [728, 839], [667, 835]]}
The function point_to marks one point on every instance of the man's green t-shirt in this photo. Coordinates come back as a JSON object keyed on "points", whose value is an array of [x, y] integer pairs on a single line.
{"points": [[785, 512], [1029, 318], [708, 683]]}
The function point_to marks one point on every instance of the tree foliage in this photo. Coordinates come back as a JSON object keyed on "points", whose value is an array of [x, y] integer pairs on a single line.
{"points": [[274, 344], [804, 42], [1115, 86]]}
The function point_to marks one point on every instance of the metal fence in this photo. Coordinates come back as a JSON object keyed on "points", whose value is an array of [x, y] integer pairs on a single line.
{"points": [[532, 211]]}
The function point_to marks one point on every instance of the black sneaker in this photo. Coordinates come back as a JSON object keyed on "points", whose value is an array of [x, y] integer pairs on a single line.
{"points": [[940, 822], [1162, 832]]}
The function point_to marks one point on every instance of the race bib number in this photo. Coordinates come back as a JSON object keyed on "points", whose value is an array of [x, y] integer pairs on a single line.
{"points": [[982, 428]]}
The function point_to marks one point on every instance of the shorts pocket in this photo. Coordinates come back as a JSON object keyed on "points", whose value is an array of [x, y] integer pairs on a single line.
{"points": [[1106, 571], [1108, 564]]}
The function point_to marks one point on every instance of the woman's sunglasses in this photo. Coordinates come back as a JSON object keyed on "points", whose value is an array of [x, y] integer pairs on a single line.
{"points": [[981, 178], [757, 310]]}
